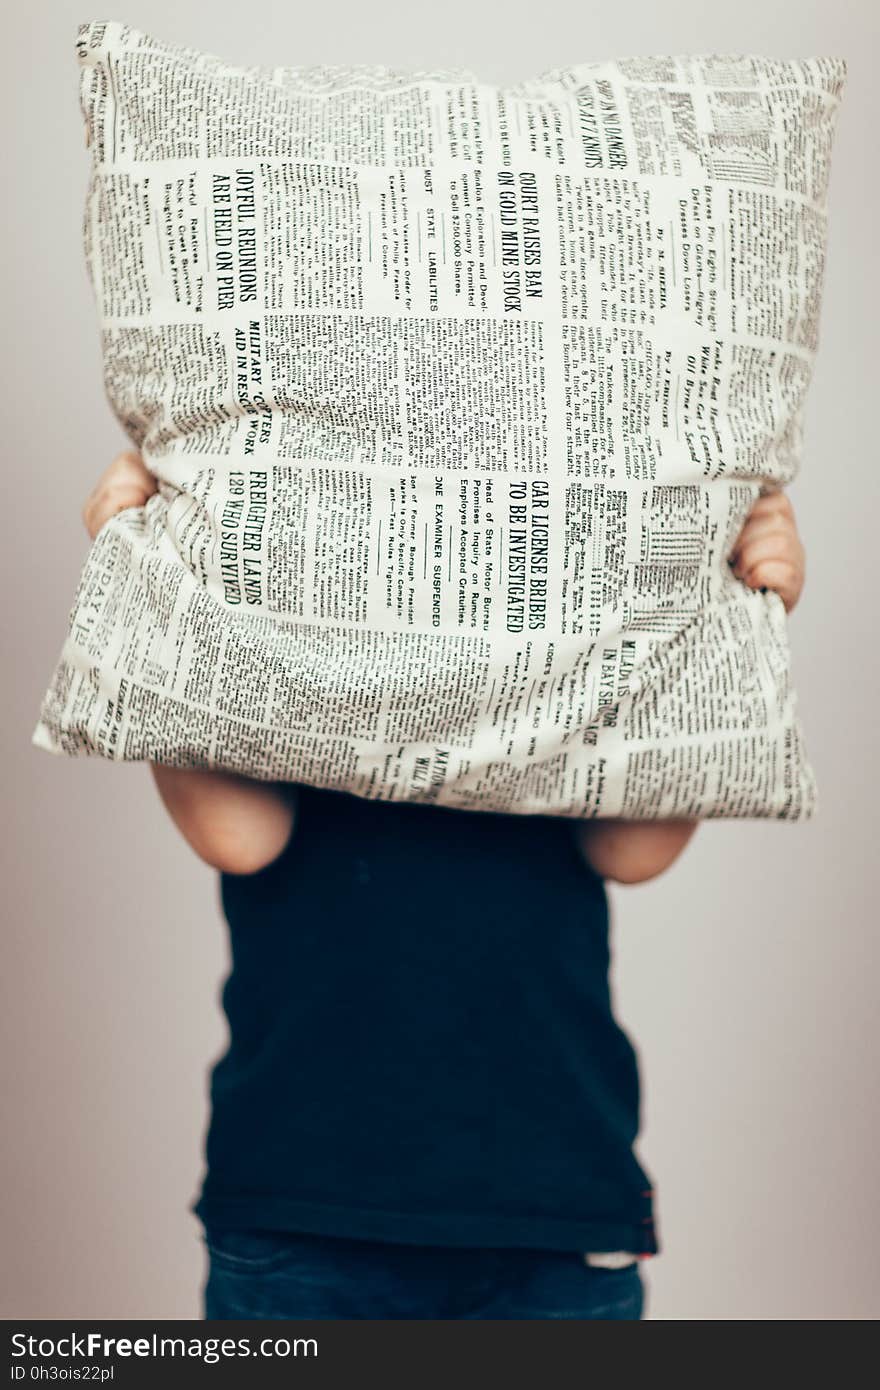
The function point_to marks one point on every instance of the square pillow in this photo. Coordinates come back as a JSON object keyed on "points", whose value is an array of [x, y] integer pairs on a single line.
{"points": [[457, 396]]}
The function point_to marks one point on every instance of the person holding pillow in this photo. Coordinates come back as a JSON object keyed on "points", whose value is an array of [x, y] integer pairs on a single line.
{"points": [[427, 1108]]}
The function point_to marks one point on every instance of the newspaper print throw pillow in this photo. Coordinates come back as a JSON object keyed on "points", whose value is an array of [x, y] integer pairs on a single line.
{"points": [[458, 396]]}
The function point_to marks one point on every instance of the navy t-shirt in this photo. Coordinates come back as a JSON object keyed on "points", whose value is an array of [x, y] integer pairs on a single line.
{"points": [[422, 1041]]}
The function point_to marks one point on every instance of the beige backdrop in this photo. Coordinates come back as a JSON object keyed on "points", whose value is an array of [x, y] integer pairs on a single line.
{"points": [[748, 976]]}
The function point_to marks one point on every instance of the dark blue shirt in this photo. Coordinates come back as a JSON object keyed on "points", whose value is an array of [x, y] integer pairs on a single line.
{"points": [[422, 1041]]}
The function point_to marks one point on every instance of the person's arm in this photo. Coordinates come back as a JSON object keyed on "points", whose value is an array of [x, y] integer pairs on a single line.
{"points": [[632, 851], [233, 823], [768, 554]]}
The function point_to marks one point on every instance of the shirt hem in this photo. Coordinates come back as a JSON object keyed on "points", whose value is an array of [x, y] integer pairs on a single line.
{"points": [[441, 1228]]}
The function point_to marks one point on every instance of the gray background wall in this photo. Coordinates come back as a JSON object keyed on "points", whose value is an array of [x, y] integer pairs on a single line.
{"points": [[748, 976]]}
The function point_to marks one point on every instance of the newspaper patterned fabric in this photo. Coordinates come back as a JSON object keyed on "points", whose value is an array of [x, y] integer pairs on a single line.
{"points": [[458, 396]]}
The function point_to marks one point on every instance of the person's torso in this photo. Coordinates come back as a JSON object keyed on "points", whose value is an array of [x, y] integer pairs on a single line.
{"points": [[422, 1040]]}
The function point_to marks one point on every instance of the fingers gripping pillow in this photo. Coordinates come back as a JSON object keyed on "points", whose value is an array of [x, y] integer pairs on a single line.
{"points": [[457, 396]]}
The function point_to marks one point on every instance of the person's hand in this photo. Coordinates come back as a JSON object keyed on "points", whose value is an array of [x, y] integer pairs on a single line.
{"points": [[768, 553], [127, 483]]}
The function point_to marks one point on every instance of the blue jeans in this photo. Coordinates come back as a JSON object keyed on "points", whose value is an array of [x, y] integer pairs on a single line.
{"points": [[276, 1274]]}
